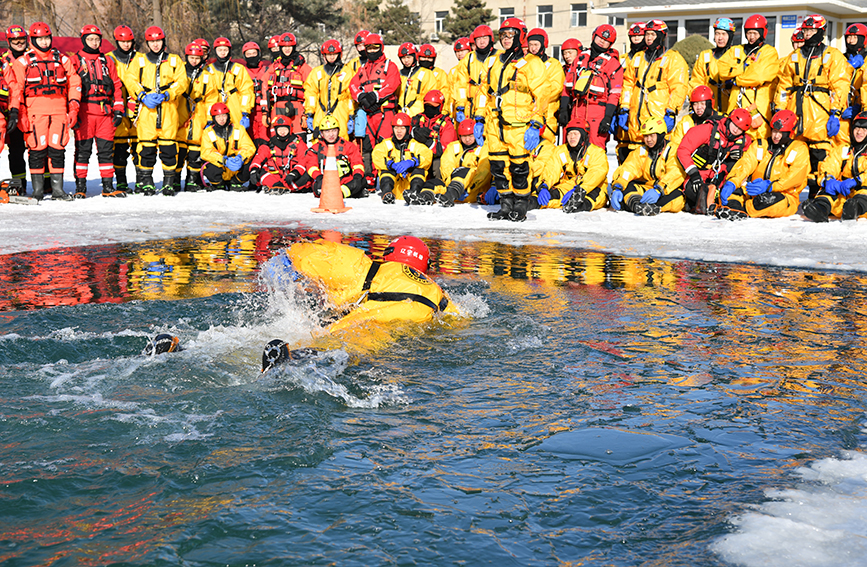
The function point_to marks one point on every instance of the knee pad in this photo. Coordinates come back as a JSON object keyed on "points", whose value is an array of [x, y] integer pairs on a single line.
{"points": [[57, 157], [37, 158], [386, 184], [169, 155], [147, 156], [520, 171], [104, 150], [212, 173], [766, 200]]}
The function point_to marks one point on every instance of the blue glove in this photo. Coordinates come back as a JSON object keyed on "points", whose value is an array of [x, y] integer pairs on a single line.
{"points": [[848, 113], [245, 120], [623, 119], [350, 124], [153, 100], [390, 165], [758, 187], [360, 123], [544, 196], [479, 130], [567, 196], [309, 124], [856, 60], [726, 191], [832, 187], [670, 119], [833, 125], [847, 185], [532, 135], [235, 163], [650, 196], [492, 196], [459, 114], [615, 197]]}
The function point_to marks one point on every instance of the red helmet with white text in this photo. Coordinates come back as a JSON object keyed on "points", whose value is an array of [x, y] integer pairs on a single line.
{"points": [[408, 250]]}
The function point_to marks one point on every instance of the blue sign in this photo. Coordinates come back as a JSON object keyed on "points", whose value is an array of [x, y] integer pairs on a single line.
{"points": [[789, 22]]}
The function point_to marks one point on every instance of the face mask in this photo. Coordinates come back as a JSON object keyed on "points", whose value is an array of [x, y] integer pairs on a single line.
{"points": [[253, 62], [431, 111], [374, 55]]}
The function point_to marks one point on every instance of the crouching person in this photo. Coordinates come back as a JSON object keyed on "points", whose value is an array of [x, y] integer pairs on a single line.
{"points": [[575, 174], [280, 166], [350, 166], [402, 162], [768, 179], [637, 185], [843, 195], [464, 169], [226, 152]]}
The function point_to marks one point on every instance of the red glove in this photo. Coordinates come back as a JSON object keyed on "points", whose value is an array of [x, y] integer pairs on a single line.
{"points": [[72, 114]]}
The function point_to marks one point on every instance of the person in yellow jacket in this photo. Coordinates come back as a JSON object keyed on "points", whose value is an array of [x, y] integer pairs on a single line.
{"points": [[157, 80], [575, 174], [768, 179], [462, 48], [326, 90], [427, 56], [125, 137], [472, 76], [856, 35], [814, 84], [643, 171], [706, 70], [402, 162], [655, 83], [364, 293], [193, 117], [226, 152], [415, 81], [753, 68], [843, 193], [230, 83], [517, 108], [701, 110], [625, 145], [465, 171], [537, 43]]}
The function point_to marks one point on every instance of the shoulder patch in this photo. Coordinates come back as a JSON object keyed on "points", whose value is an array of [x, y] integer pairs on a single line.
{"points": [[791, 157]]}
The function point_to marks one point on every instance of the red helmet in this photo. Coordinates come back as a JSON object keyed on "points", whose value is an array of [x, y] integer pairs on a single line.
{"points": [[434, 97], [123, 33], [154, 33], [373, 39], [515, 24], [853, 29], [194, 49], [331, 47], [757, 22], [408, 250], [222, 42], [606, 32], [90, 29], [482, 31], [16, 32], [406, 49], [577, 124], [203, 42], [361, 36], [636, 29], [657, 26], [287, 39], [273, 41], [281, 120], [813, 22], [251, 45], [571, 43], [40, 29], [219, 108], [701, 92], [465, 128], [427, 50], [401, 119], [462, 44], [741, 118], [798, 35], [784, 121], [539, 32]]}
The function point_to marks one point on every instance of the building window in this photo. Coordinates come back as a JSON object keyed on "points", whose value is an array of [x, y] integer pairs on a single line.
{"points": [[614, 21], [772, 31], [440, 22], [545, 16], [556, 54], [671, 39], [506, 13], [579, 16], [698, 27]]}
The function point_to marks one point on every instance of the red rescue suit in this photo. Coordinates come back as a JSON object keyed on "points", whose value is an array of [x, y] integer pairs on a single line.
{"points": [[15, 139], [101, 98], [350, 167], [258, 117], [383, 78], [283, 164], [592, 83], [283, 90]]}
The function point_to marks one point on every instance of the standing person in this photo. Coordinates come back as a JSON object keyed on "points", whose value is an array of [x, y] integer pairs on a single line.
{"points": [[258, 69], [356, 62], [280, 166], [284, 89], [462, 48], [157, 80], [102, 111], [855, 35], [537, 43], [16, 36], [350, 166], [125, 136], [230, 83], [570, 50], [326, 91], [274, 47], [706, 70], [472, 79], [193, 117], [596, 84], [374, 89], [517, 104], [46, 95], [627, 60], [415, 81], [226, 152], [427, 57], [752, 68]]}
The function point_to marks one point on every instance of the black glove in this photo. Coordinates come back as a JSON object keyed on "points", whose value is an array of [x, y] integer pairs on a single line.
{"points": [[735, 153], [292, 177], [421, 135], [355, 185], [118, 118], [368, 101], [695, 183], [564, 113], [13, 120], [255, 176], [605, 124], [317, 186]]}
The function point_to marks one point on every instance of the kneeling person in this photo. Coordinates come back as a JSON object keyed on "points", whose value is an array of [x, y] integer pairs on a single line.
{"points": [[402, 162], [350, 166], [464, 168], [226, 152], [638, 184], [281, 164], [575, 174]]}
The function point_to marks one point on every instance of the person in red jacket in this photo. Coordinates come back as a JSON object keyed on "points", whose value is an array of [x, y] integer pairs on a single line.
{"points": [[350, 166], [16, 36], [46, 99], [259, 70], [280, 166], [706, 154], [434, 129], [102, 110], [374, 88], [593, 84], [283, 91]]}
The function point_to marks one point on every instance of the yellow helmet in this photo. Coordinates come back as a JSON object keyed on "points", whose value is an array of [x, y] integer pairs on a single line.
{"points": [[654, 125], [328, 123]]}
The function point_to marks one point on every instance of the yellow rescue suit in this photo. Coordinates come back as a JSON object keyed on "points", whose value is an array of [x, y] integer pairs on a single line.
{"points": [[842, 164], [706, 71], [387, 150], [326, 94], [234, 88], [215, 148], [652, 88], [469, 167], [169, 78], [642, 171], [589, 172], [787, 171], [753, 77]]}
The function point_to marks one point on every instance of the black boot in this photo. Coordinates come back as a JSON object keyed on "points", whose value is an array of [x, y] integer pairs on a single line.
{"points": [[191, 184], [144, 183], [57, 192], [108, 189], [854, 207], [38, 186], [519, 208], [168, 188], [817, 210], [578, 202], [507, 203], [80, 188], [122, 185]]}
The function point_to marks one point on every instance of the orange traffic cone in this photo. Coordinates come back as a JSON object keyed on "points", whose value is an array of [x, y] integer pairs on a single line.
{"points": [[331, 199]]}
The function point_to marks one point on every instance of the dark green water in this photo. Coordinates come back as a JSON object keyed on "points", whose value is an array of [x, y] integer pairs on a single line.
{"points": [[589, 409]]}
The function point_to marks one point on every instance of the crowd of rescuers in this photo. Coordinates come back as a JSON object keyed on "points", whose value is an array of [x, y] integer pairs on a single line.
{"points": [[740, 135]]}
